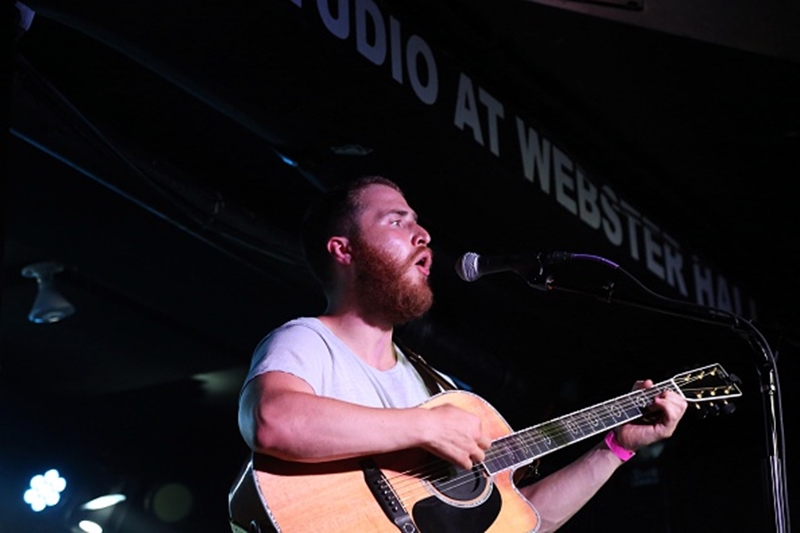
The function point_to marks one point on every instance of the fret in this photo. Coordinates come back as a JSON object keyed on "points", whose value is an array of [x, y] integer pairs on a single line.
{"points": [[573, 427], [623, 409], [641, 399], [511, 451], [614, 411], [594, 420]]}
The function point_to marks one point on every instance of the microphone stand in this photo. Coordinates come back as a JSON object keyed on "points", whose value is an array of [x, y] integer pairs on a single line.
{"points": [[766, 364]]}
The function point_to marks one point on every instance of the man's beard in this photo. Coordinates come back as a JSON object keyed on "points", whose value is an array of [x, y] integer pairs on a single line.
{"points": [[385, 287]]}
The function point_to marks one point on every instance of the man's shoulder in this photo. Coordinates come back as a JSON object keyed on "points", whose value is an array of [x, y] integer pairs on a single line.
{"points": [[299, 325], [297, 331]]}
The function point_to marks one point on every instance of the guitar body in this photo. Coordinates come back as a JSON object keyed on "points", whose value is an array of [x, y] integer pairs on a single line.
{"points": [[336, 497]]}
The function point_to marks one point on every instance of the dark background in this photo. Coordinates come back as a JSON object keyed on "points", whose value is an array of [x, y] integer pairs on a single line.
{"points": [[146, 152]]}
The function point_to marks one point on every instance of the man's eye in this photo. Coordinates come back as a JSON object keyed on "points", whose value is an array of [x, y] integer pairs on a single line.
{"points": [[396, 222]]}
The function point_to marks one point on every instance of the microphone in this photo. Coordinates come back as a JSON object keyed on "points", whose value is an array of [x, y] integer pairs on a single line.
{"points": [[472, 266]]}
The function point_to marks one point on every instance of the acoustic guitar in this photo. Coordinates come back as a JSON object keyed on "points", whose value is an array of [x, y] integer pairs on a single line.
{"points": [[413, 492]]}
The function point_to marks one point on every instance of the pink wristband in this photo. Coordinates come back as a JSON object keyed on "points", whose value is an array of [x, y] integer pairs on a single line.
{"points": [[613, 444]]}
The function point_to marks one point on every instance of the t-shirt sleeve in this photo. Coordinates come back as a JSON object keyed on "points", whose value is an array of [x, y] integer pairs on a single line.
{"points": [[296, 350]]}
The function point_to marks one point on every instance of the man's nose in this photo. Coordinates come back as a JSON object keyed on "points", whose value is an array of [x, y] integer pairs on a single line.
{"points": [[421, 236]]}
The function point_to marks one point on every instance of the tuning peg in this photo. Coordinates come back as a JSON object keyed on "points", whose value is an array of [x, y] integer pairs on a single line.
{"points": [[714, 409], [701, 411]]}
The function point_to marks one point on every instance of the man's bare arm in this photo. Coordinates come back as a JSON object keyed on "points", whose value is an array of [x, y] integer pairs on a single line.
{"points": [[280, 415], [560, 495]]}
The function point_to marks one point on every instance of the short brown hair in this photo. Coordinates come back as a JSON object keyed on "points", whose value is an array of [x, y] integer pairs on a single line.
{"points": [[334, 213]]}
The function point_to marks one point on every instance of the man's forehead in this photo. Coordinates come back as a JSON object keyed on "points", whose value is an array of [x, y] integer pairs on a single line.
{"points": [[381, 199]]}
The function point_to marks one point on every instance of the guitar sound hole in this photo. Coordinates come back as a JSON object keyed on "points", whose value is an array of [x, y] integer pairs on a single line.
{"points": [[467, 502], [461, 485]]}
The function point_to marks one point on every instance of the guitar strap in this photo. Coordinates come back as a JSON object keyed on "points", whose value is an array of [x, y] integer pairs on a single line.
{"points": [[433, 380]]}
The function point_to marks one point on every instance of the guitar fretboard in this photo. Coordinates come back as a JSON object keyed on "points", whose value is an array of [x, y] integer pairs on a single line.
{"points": [[517, 449]]}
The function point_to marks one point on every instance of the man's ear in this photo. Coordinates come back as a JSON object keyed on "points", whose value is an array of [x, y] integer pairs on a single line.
{"points": [[339, 248]]}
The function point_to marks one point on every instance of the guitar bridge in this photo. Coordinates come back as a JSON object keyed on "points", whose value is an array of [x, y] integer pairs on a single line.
{"points": [[384, 494]]}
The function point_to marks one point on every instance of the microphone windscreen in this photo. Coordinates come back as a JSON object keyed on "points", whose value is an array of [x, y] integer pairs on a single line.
{"points": [[467, 267]]}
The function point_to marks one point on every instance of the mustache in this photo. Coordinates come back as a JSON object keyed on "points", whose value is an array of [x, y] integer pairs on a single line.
{"points": [[425, 254]]}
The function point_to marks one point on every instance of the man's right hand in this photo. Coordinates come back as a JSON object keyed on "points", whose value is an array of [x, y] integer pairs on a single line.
{"points": [[455, 435]]}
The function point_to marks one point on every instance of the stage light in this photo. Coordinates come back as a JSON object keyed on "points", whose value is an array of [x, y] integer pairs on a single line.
{"points": [[90, 527], [102, 502], [50, 306], [170, 502], [289, 161], [101, 513], [45, 490]]}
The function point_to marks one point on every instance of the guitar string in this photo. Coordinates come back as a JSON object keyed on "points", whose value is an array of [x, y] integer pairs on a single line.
{"points": [[577, 423], [528, 438], [407, 485], [438, 471], [525, 440]]}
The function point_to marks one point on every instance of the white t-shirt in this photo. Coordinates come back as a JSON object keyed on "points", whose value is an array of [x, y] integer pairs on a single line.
{"points": [[307, 349]]}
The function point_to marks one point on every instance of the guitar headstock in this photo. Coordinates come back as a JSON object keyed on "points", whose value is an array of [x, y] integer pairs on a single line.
{"points": [[710, 385]]}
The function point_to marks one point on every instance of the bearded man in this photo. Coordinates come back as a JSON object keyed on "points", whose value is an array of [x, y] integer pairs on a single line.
{"points": [[336, 386]]}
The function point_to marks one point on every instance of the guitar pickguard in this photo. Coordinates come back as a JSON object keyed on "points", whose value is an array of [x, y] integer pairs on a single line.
{"points": [[433, 515]]}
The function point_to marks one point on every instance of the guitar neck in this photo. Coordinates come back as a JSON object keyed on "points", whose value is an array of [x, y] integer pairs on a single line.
{"points": [[524, 446]]}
